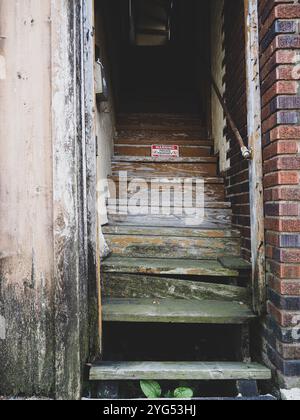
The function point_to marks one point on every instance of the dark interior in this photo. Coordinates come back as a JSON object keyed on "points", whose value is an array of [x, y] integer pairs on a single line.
{"points": [[171, 77]]}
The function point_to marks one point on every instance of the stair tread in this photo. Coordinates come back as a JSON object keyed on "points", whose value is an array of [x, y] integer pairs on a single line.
{"points": [[176, 311], [167, 267], [180, 202], [235, 263], [179, 371]]}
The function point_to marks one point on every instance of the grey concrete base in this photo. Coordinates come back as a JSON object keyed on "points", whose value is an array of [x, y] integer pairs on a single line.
{"points": [[291, 394]]}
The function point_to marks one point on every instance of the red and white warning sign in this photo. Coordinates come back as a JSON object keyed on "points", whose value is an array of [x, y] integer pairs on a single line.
{"points": [[161, 151]]}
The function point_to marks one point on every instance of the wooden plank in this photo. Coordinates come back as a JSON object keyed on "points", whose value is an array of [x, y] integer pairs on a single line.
{"points": [[152, 287], [172, 231], [167, 169], [143, 137], [176, 311], [201, 371], [235, 263], [179, 161], [213, 218], [172, 247], [256, 165], [175, 201], [214, 190], [172, 267], [139, 150]]}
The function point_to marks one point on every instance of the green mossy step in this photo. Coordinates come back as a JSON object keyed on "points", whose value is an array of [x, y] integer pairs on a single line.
{"points": [[132, 286], [235, 263], [164, 266], [176, 311], [200, 371]]}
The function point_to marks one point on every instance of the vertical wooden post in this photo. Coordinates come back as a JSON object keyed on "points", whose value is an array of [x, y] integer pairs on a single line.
{"points": [[255, 143]]}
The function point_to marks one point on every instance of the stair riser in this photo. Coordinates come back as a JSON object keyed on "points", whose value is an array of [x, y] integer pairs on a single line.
{"points": [[155, 247], [144, 169], [167, 267], [134, 139], [212, 192], [212, 219], [170, 232], [185, 151], [140, 286]]}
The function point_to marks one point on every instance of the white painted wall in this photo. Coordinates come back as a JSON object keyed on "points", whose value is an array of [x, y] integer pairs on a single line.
{"points": [[217, 57]]}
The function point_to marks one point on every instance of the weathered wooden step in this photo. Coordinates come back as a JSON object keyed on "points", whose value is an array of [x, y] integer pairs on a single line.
{"points": [[179, 161], [176, 311], [158, 203], [172, 247], [145, 150], [235, 263], [164, 266], [211, 219], [160, 122], [165, 169], [116, 285], [171, 231], [214, 190], [198, 371], [145, 139]]}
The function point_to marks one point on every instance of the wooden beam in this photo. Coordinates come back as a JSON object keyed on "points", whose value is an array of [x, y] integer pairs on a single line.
{"points": [[255, 144]]}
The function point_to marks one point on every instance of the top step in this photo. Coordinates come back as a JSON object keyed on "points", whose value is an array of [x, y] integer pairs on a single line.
{"points": [[161, 122]]}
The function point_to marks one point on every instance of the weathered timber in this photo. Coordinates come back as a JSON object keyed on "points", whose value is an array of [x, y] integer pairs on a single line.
{"points": [[213, 218], [145, 138], [235, 263], [171, 198], [158, 169], [172, 231], [177, 311], [254, 127], [164, 266], [203, 371], [184, 151], [178, 160], [172, 247], [152, 287], [214, 190]]}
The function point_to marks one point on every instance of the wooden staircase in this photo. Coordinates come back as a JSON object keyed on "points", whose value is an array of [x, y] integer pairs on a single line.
{"points": [[163, 267]]}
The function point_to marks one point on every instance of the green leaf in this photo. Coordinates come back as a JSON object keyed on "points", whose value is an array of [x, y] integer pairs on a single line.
{"points": [[183, 393], [151, 389]]}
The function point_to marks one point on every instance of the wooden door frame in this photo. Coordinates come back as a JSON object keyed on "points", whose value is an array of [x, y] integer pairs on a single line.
{"points": [[74, 193], [256, 164]]}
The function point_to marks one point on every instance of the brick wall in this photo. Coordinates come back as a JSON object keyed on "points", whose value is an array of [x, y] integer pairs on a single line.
{"points": [[280, 44], [237, 177]]}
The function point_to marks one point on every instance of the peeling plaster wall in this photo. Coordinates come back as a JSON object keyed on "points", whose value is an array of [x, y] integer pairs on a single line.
{"points": [[47, 197], [217, 58], [105, 121], [26, 222]]}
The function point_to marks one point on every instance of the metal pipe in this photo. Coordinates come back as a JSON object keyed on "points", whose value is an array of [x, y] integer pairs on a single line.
{"points": [[246, 153]]}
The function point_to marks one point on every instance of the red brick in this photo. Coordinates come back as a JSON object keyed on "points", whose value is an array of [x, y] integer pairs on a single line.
{"points": [[282, 209], [285, 132], [289, 255], [282, 225], [281, 178], [284, 271], [282, 163], [283, 147], [282, 194], [284, 318], [288, 351], [282, 286]]}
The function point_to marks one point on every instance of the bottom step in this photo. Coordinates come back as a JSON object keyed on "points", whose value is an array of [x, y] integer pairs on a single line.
{"points": [[199, 371]]}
